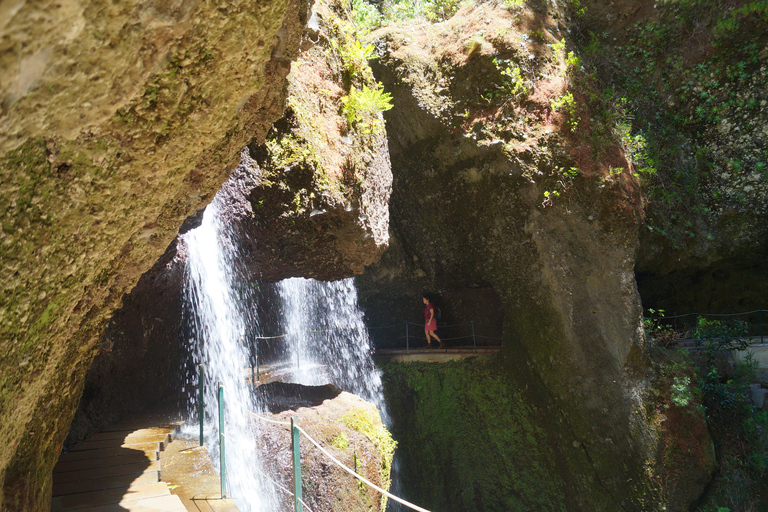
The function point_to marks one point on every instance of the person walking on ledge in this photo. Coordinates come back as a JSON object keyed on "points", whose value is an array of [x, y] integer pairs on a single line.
{"points": [[430, 322]]}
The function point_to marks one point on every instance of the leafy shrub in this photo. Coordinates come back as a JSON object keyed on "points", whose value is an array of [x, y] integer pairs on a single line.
{"points": [[366, 16], [717, 337], [403, 10]]}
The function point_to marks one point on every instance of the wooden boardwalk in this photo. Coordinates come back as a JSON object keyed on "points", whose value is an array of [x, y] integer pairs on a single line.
{"points": [[434, 355], [117, 469]]}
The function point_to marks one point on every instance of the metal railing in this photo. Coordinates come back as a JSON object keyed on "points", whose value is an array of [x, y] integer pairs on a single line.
{"points": [[296, 432], [400, 332], [685, 325]]}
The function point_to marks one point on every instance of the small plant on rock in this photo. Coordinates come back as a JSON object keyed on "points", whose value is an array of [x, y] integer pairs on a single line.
{"points": [[567, 104], [363, 107], [660, 334]]}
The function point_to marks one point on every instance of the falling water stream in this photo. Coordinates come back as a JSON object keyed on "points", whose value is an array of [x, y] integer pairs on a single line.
{"points": [[327, 342], [219, 321], [327, 339]]}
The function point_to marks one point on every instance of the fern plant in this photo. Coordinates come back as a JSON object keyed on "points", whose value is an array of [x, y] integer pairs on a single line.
{"points": [[364, 106], [355, 57]]}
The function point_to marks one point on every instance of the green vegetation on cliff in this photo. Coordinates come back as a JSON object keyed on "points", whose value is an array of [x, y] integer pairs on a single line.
{"points": [[688, 82], [698, 385], [467, 440]]}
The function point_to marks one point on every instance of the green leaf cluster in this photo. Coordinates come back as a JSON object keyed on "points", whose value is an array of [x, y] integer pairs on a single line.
{"points": [[364, 106], [355, 57], [369, 15], [567, 104]]}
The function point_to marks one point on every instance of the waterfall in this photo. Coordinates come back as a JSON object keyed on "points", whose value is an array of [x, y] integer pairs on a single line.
{"points": [[219, 322], [328, 341]]}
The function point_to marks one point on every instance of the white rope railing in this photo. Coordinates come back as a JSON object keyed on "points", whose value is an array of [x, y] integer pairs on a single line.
{"points": [[334, 459], [285, 490], [360, 477]]}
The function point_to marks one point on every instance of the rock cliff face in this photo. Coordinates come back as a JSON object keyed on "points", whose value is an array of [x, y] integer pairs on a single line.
{"points": [[693, 76], [499, 186], [119, 119], [310, 200]]}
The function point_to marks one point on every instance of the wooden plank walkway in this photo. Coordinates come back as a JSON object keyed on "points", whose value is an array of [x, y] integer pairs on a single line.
{"points": [[433, 355], [117, 469]]}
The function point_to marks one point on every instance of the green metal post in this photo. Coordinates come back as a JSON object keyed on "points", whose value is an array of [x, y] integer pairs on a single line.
{"points": [[474, 341], [253, 363], [201, 403], [407, 341], [760, 316], [296, 465], [222, 459]]}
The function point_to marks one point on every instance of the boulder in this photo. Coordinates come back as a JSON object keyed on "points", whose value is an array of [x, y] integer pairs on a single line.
{"points": [[344, 425], [498, 196]]}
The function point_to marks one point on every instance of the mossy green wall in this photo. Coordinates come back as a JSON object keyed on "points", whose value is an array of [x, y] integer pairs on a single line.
{"points": [[468, 441]]}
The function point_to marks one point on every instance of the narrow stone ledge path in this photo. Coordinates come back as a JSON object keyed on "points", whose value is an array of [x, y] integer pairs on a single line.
{"points": [[117, 469]]}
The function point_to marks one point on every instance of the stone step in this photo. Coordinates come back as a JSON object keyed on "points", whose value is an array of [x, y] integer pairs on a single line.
{"points": [[103, 483], [88, 500], [150, 449], [128, 458], [135, 469]]}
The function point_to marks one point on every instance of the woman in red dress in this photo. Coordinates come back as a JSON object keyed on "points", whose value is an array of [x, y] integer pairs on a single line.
{"points": [[430, 323]]}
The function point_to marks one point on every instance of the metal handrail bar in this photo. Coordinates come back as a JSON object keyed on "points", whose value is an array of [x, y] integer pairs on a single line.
{"points": [[711, 314]]}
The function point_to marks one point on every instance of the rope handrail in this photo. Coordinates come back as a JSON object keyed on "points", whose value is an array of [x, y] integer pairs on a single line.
{"points": [[334, 459], [443, 326], [385, 326], [359, 477], [264, 418]]}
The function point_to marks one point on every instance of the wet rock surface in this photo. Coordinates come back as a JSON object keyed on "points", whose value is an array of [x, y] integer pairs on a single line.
{"points": [[473, 209], [346, 426], [118, 121], [282, 396]]}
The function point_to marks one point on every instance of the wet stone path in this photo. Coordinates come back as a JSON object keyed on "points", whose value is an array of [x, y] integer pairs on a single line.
{"points": [[134, 466]]}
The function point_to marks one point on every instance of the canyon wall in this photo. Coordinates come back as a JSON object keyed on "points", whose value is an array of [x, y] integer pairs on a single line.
{"points": [[119, 120], [510, 188]]}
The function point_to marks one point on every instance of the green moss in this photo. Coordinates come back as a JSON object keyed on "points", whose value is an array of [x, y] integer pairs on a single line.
{"points": [[341, 441], [367, 422], [467, 439]]}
